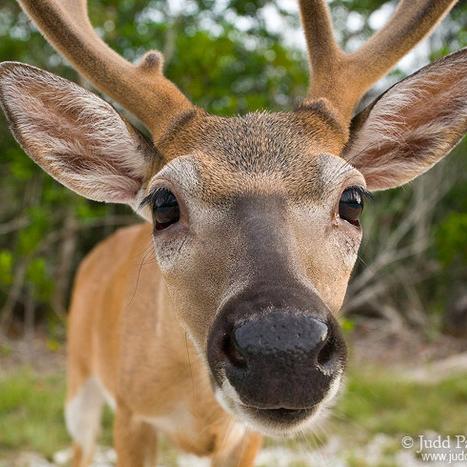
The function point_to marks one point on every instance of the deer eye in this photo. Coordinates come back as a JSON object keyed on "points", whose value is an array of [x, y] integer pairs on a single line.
{"points": [[351, 204], [165, 209]]}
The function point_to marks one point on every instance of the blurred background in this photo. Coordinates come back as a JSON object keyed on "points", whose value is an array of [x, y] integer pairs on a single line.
{"points": [[405, 314]]}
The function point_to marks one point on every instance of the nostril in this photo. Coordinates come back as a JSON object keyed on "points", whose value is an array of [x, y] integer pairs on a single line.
{"points": [[232, 352], [327, 351]]}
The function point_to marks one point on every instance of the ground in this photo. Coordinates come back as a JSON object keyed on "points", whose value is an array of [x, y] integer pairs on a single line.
{"points": [[393, 396]]}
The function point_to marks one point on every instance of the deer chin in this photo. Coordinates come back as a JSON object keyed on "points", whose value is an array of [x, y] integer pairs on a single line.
{"points": [[278, 422]]}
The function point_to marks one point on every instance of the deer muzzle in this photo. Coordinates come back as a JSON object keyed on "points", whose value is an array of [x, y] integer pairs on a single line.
{"points": [[280, 350]]}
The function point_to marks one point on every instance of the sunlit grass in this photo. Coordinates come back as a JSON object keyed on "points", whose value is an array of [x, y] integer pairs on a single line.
{"points": [[381, 403], [31, 413]]}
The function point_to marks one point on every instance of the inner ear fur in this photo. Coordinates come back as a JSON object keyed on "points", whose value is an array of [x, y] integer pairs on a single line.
{"points": [[411, 126], [75, 136]]}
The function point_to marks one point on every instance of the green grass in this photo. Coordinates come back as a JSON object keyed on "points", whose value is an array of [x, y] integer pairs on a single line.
{"points": [[31, 412], [376, 402], [31, 415]]}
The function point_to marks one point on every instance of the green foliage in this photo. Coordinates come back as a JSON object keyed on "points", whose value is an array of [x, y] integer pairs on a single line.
{"points": [[38, 276], [6, 267], [28, 404], [347, 325], [450, 238]]}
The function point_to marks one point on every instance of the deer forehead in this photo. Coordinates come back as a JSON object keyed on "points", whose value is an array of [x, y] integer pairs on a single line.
{"points": [[257, 153]]}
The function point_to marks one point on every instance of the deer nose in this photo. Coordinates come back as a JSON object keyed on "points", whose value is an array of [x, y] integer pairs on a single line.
{"points": [[277, 348], [282, 360], [277, 336]]}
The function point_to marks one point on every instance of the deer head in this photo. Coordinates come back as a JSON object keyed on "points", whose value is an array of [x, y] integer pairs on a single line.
{"points": [[256, 218]]}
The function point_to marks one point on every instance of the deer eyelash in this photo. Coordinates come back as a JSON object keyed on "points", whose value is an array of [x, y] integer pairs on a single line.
{"points": [[363, 192], [151, 197]]}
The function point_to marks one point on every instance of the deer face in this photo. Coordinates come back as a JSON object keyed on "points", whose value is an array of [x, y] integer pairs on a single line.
{"points": [[250, 232]]}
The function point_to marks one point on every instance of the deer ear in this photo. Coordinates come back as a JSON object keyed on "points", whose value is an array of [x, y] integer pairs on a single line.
{"points": [[411, 126], [75, 136]]}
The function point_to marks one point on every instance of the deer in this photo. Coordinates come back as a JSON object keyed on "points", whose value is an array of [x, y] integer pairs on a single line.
{"points": [[232, 332]]}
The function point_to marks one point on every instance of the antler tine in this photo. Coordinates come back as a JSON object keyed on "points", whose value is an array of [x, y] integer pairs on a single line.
{"points": [[322, 48], [344, 78], [142, 89], [410, 23]]}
